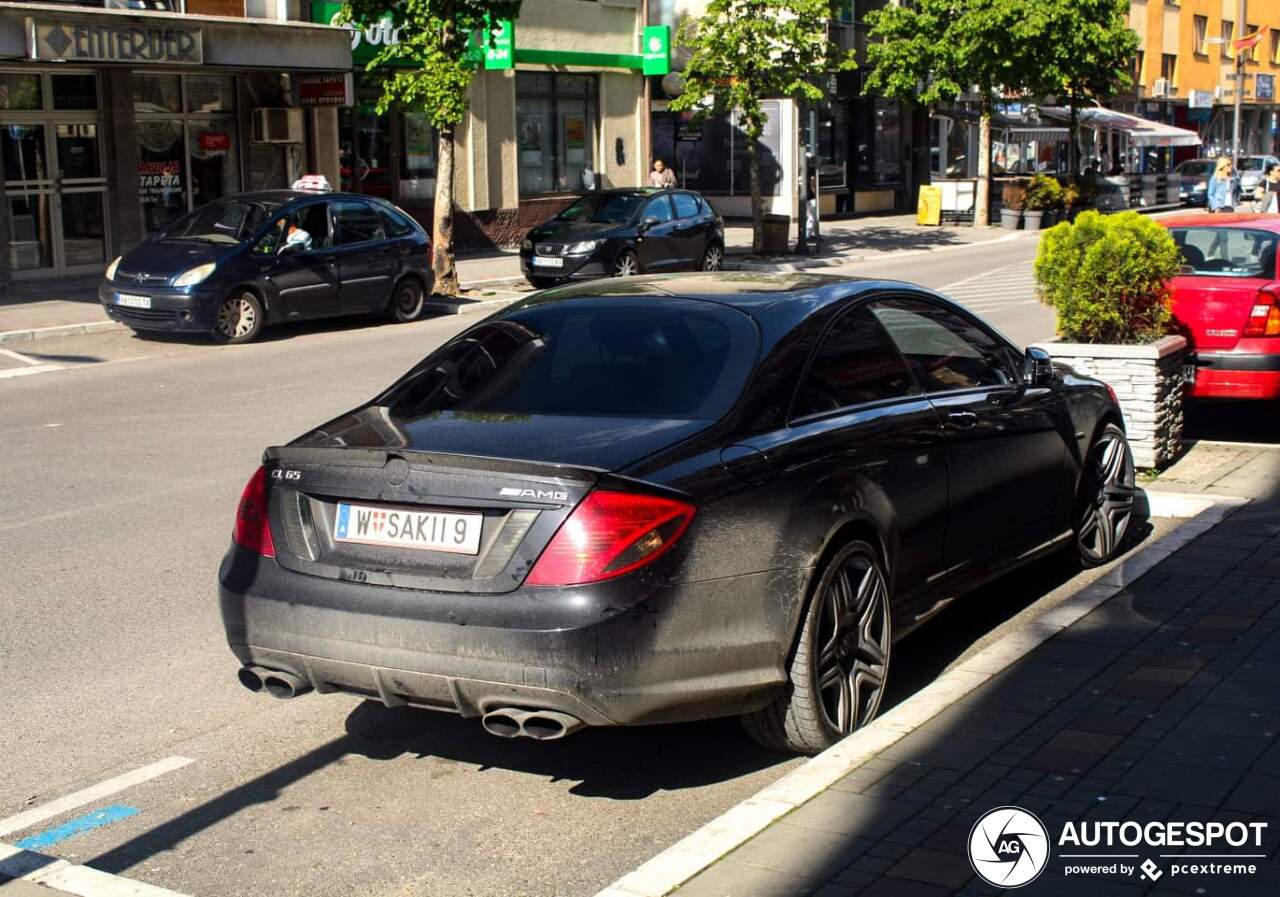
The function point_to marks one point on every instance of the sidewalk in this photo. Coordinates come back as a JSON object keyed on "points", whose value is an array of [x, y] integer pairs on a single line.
{"points": [[30, 312], [1157, 697]]}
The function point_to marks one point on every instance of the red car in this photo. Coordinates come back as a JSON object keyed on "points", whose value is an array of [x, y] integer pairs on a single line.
{"points": [[1226, 300]]}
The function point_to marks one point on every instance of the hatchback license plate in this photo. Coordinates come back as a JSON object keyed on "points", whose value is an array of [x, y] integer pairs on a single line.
{"points": [[131, 301], [405, 528], [542, 261]]}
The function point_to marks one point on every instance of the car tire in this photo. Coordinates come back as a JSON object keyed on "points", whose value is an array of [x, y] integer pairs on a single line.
{"points": [[1105, 504], [625, 264], [712, 258], [239, 318], [839, 668], [406, 301]]}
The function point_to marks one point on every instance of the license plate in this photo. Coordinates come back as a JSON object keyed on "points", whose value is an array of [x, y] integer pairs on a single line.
{"points": [[405, 528], [132, 301], [540, 261]]}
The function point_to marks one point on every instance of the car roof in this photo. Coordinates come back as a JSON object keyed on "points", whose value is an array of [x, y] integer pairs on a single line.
{"points": [[283, 197], [749, 291], [1241, 220]]}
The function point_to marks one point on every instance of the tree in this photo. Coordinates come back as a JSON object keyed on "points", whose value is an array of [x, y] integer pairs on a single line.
{"points": [[745, 51], [436, 60], [1090, 45], [936, 50]]}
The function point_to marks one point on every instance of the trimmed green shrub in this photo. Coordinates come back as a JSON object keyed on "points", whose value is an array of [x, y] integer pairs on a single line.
{"points": [[1108, 277], [1044, 192]]}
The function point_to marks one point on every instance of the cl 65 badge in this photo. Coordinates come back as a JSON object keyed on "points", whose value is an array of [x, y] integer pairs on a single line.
{"points": [[291, 476]]}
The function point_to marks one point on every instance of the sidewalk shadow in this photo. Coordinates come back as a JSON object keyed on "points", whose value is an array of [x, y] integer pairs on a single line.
{"points": [[884, 239]]}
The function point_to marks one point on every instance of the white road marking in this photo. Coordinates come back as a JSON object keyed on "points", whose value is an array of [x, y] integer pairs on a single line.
{"points": [[67, 878], [1008, 287], [93, 793], [19, 357], [22, 372]]}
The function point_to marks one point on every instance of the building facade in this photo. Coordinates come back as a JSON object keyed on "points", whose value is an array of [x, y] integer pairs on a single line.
{"points": [[116, 121]]}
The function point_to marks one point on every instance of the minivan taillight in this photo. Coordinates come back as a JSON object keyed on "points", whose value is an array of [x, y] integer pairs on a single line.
{"points": [[609, 534], [253, 530], [1264, 317]]}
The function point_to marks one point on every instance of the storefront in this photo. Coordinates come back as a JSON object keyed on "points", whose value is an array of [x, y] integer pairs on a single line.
{"points": [[115, 122]]}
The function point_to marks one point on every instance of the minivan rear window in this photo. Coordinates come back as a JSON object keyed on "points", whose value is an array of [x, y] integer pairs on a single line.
{"points": [[674, 359], [1226, 251]]}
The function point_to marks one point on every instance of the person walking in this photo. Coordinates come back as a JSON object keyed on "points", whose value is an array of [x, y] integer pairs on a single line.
{"points": [[661, 176], [1268, 192], [1221, 193]]}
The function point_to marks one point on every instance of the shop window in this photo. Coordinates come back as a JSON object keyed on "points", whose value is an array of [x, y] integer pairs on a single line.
{"points": [[24, 152], [20, 92], [417, 158], [157, 93], [555, 132], [364, 151], [77, 146], [215, 160], [210, 94], [74, 91], [888, 142], [162, 172]]}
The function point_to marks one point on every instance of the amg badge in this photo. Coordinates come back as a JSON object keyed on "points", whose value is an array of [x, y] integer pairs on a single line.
{"points": [[535, 494]]}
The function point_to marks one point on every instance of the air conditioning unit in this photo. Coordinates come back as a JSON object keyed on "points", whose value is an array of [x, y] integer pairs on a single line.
{"points": [[277, 126], [1160, 88]]}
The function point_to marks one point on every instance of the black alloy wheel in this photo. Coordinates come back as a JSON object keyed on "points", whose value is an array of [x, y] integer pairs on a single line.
{"points": [[1107, 492]]}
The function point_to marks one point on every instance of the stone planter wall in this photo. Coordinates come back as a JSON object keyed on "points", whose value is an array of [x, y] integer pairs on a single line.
{"points": [[1149, 384]]}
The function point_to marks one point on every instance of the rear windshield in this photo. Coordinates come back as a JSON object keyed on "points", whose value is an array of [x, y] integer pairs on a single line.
{"points": [[668, 359], [604, 208], [1226, 251]]}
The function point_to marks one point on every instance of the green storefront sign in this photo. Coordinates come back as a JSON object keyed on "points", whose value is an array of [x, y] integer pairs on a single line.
{"points": [[656, 41], [499, 45]]}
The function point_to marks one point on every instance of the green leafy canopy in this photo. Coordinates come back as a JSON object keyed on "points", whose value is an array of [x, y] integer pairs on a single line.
{"points": [[434, 58]]}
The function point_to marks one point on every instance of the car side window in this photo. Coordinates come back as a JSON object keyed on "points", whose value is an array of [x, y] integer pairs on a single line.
{"points": [[855, 364], [686, 205], [658, 207], [358, 222], [312, 220], [944, 350], [397, 225]]}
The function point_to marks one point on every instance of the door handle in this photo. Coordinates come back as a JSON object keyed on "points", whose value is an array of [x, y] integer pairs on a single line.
{"points": [[964, 420], [330, 260]]}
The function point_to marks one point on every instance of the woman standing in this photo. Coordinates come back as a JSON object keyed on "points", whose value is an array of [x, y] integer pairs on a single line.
{"points": [[1220, 196], [1268, 191]]}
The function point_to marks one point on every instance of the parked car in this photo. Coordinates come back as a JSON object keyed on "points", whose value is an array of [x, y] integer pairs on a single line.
{"points": [[669, 498], [1193, 180], [1227, 302], [619, 233], [240, 263]]}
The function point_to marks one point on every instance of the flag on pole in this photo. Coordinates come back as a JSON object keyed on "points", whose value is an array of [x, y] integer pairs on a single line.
{"points": [[1248, 42]]}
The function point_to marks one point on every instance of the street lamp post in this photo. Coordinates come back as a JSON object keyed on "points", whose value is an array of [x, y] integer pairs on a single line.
{"points": [[1238, 93]]}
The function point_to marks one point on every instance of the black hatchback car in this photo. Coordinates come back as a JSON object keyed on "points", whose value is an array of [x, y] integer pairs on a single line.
{"points": [[673, 498], [240, 263], [618, 233]]}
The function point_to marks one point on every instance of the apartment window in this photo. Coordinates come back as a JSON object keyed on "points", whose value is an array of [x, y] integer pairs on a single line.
{"points": [[1169, 67], [1201, 23], [1138, 58], [1228, 33], [1253, 51], [1275, 46]]}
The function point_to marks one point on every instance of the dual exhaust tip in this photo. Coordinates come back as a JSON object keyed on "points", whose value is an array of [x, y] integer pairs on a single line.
{"points": [[505, 722], [276, 683]]}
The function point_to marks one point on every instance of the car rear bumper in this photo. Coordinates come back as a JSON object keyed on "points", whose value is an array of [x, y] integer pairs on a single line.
{"points": [[682, 652], [1237, 375], [172, 310]]}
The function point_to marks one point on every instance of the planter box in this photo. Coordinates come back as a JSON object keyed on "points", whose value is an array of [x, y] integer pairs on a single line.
{"points": [[1149, 383]]}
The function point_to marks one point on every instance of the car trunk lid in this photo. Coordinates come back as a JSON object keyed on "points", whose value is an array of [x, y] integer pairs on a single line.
{"points": [[1215, 310]]}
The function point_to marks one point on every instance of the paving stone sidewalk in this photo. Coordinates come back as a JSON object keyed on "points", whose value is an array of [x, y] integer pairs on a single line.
{"points": [[1163, 704]]}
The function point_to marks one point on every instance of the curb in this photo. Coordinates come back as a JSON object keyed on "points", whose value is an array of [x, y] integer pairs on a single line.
{"points": [[683, 860], [468, 306], [33, 333]]}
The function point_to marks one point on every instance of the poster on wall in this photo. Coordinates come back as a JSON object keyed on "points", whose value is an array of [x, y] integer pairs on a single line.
{"points": [[575, 138], [156, 180], [530, 130]]}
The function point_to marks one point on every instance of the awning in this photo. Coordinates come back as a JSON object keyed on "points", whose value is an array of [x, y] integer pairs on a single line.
{"points": [[1018, 129], [1141, 131], [1028, 133]]}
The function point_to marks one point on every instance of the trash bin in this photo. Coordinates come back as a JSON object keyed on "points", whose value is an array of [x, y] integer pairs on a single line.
{"points": [[777, 231]]}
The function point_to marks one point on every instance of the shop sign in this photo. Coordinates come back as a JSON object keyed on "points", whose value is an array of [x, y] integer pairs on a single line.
{"points": [[214, 141], [82, 42], [328, 89], [656, 41], [156, 180], [1200, 99], [366, 40], [1264, 87], [499, 43]]}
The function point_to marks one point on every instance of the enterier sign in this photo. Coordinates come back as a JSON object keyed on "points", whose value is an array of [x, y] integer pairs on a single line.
{"points": [[85, 42]]}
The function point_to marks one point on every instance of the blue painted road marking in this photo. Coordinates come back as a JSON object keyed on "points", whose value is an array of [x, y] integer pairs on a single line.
{"points": [[96, 819]]}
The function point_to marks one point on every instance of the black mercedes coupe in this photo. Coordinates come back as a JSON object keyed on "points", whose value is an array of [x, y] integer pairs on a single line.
{"points": [[669, 498]]}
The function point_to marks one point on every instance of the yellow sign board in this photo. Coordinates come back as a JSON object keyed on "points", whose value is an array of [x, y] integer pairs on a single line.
{"points": [[929, 208]]}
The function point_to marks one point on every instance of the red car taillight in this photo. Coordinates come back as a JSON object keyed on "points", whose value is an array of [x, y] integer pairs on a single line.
{"points": [[1264, 317], [252, 530], [609, 534]]}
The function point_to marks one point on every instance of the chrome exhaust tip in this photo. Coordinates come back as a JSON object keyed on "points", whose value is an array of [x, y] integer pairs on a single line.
{"points": [[251, 677], [540, 725], [284, 685]]}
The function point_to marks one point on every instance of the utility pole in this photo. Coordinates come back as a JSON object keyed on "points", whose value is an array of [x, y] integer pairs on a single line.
{"points": [[1239, 90]]}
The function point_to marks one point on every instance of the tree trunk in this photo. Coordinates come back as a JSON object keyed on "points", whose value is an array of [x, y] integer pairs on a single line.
{"points": [[1073, 151], [982, 201], [446, 273], [757, 202]]}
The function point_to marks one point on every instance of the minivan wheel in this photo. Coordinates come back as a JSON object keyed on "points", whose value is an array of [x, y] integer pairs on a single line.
{"points": [[406, 302], [840, 667], [713, 258], [239, 318], [626, 264], [1104, 507]]}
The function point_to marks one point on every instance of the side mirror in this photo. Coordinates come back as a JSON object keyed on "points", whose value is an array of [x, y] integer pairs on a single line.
{"points": [[1039, 367], [647, 222]]}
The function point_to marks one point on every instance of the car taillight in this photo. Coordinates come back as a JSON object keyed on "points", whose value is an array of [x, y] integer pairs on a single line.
{"points": [[609, 534], [1264, 317], [1115, 399], [252, 530]]}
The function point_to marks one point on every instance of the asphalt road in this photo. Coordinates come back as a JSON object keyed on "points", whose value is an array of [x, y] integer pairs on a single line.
{"points": [[120, 473]]}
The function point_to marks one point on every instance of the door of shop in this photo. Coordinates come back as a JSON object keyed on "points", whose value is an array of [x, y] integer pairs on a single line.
{"points": [[55, 190]]}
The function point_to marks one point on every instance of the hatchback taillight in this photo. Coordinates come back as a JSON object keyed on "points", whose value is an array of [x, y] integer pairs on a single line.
{"points": [[1264, 317], [609, 534], [253, 530]]}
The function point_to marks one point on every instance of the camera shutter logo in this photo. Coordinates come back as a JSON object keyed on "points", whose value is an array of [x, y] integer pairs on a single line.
{"points": [[1008, 847]]}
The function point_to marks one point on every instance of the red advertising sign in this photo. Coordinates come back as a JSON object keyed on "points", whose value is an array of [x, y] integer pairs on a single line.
{"points": [[330, 89], [214, 141]]}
